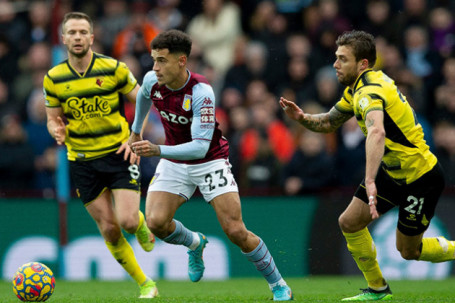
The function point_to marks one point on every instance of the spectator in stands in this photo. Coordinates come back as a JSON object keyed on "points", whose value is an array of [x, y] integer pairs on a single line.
{"points": [[423, 62], [413, 13], [442, 29], [38, 137], [326, 90], [444, 140], [8, 61], [39, 16], [311, 167], [298, 78], [239, 122], [265, 126], [115, 18], [166, 15], [13, 26], [6, 101], [36, 63], [136, 37], [350, 154], [378, 19], [254, 67], [216, 30], [16, 162]]}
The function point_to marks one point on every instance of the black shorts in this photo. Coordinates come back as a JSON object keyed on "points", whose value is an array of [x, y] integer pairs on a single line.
{"points": [[416, 201], [92, 177]]}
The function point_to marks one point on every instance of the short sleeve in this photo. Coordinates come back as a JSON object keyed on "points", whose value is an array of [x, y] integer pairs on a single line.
{"points": [[50, 95], [344, 105], [126, 80], [369, 102]]}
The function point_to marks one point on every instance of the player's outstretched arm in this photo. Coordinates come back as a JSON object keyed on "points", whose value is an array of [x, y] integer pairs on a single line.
{"points": [[325, 122], [292, 110]]}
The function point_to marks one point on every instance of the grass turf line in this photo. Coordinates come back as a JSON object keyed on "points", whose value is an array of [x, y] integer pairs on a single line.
{"points": [[308, 289]]}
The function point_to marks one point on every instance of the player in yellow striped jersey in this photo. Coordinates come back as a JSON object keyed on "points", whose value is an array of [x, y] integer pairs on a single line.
{"points": [[400, 169], [84, 91]]}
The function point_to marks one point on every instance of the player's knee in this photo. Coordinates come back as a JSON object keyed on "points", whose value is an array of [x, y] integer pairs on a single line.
{"points": [[345, 224], [348, 225], [237, 233], [158, 226], [110, 232], [409, 254], [129, 224]]}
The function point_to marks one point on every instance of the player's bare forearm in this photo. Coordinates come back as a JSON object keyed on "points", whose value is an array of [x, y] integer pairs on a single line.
{"points": [[55, 125], [374, 152], [326, 122], [374, 146]]}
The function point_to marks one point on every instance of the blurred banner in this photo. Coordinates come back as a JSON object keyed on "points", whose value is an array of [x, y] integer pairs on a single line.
{"points": [[30, 232], [329, 255], [302, 234]]}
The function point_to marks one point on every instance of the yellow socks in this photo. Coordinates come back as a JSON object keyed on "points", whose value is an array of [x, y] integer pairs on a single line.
{"points": [[437, 250], [141, 221], [363, 250], [124, 255]]}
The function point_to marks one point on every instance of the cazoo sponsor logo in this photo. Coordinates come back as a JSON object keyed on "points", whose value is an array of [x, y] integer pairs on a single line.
{"points": [[175, 118]]}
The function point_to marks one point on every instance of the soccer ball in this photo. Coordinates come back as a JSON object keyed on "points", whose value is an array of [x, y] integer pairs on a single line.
{"points": [[33, 281]]}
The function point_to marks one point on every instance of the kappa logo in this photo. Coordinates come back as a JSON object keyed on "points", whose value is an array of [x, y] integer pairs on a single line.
{"points": [[157, 94], [207, 101]]}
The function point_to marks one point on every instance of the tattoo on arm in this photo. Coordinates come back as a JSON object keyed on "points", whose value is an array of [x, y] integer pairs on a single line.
{"points": [[326, 122], [369, 122], [337, 118]]}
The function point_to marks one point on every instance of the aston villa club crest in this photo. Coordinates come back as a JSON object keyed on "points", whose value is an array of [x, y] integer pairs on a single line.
{"points": [[186, 105]]}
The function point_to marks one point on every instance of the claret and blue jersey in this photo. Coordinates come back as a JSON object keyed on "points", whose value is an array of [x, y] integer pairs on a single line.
{"points": [[187, 114]]}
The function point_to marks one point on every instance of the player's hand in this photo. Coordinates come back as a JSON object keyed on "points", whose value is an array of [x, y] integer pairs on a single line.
{"points": [[292, 110], [145, 148], [134, 138], [126, 150], [372, 199], [60, 131]]}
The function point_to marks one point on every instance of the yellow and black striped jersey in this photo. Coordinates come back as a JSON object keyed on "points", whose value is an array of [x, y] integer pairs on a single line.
{"points": [[407, 156], [92, 105]]}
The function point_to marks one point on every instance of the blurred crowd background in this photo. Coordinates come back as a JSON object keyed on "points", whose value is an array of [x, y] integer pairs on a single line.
{"points": [[252, 52]]}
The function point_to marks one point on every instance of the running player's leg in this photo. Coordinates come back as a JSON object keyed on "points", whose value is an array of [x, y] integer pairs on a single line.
{"points": [[168, 190], [415, 216], [228, 210], [102, 211], [353, 223], [131, 219], [160, 209], [92, 185], [124, 179]]}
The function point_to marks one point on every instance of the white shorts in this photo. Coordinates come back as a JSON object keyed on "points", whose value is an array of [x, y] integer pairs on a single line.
{"points": [[213, 178]]}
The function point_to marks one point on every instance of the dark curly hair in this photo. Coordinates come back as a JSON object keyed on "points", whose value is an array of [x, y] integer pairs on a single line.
{"points": [[174, 40]]}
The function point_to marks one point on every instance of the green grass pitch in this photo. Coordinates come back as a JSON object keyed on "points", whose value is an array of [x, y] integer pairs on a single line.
{"points": [[308, 289]]}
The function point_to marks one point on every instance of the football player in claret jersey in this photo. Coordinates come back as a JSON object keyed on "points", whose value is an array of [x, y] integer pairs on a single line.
{"points": [[400, 169], [195, 154], [85, 89]]}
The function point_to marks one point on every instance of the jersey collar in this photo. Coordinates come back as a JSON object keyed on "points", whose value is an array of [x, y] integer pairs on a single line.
{"points": [[87, 71], [360, 77]]}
